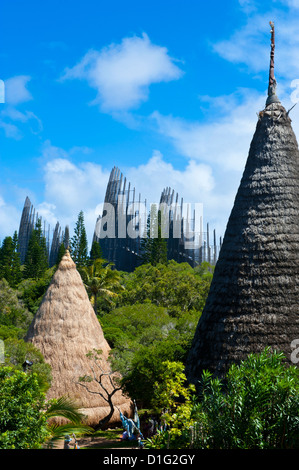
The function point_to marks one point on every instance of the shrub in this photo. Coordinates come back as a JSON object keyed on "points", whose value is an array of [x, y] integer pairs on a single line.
{"points": [[257, 408], [22, 423]]}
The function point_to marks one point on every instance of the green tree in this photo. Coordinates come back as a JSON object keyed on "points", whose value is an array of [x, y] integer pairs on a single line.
{"points": [[159, 249], [255, 406], [17, 351], [26, 418], [95, 252], [36, 260], [176, 286], [155, 321], [22, 422], [146, 244], [101, 280], [31, 291], [154, 245], [10, 264], [143, 336], [78, 243], [173, 399], [13, 313]]}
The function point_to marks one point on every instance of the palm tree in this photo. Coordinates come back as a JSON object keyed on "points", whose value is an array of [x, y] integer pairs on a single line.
{"points": [[100, 279], [64, 407]]}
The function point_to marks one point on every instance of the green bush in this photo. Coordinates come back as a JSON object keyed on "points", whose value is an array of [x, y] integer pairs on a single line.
{"points": [[257, 408], [22, 423]]}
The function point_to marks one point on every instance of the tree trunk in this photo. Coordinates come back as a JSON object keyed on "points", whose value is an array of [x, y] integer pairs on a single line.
{"points": [[103, 422]]}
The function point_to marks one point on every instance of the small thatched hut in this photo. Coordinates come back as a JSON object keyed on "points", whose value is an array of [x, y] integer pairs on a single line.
{"points": [[65, 328], [254, 296]]}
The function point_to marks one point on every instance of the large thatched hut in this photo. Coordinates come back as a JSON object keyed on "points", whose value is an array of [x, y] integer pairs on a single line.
{"points": [[65, 329], [254, 296]]}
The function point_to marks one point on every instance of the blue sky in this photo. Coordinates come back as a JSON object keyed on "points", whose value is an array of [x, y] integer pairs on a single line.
{"points": [[167, 91]]}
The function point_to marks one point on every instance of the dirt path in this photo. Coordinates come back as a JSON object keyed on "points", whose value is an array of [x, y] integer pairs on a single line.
{"points": [[94, 442]]}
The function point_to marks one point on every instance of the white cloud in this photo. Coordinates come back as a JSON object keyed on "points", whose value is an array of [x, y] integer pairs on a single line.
{"points": [[47, 210], [122, 73], [250, 45], [223, 141], [16, 90], [196, 183], [71, 187], [17, 93], [11, 130], [156, 174]]}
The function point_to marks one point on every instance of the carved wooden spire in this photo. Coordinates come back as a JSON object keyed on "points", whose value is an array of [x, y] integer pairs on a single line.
{"points": [[272, 98]]}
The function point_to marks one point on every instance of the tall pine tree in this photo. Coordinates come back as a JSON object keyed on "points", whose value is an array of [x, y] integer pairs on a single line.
{"points": [[95, 252], [10, 264], [36, 260], [78, 243], [154, 246]]}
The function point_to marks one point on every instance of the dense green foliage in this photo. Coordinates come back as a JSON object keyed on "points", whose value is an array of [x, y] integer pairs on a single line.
{"points": [[22, 423], [154, 320], [17, 351], [255, 407], [31, 291], [14, 315], [176, 286], [25, 418], [258, 407], [174, 402], [142, 337]]}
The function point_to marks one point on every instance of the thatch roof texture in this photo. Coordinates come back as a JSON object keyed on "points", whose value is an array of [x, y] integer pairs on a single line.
{"points": [[254, 296], [65, 329]]}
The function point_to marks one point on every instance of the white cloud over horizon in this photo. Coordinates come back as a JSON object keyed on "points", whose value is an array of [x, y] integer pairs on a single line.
{"points": [[122, 73], [71, 187]]}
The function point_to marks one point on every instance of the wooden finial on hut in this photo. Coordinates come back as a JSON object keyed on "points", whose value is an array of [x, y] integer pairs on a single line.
{"points": [[272, 98]]}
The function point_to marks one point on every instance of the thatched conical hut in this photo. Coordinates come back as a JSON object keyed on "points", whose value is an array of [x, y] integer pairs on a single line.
{"points": [[254, 296], [65, 329]]}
